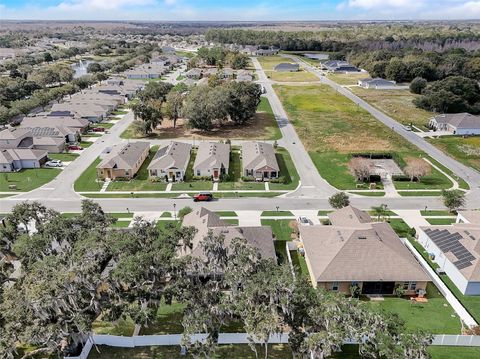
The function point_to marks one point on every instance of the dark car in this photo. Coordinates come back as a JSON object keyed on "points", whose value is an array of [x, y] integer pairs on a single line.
{"points": [[98, 129], [203, 197], [74, 148]]}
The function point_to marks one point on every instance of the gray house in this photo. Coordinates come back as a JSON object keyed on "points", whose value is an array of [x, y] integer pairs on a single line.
{"points": [[377, 84], [21, 158], [212, 159], [287, 67], [339, 66], [456, 123], [170, 162], [259, 161]]}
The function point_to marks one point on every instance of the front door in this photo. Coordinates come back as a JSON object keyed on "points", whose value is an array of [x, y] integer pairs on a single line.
{"points": [[215, 173]]}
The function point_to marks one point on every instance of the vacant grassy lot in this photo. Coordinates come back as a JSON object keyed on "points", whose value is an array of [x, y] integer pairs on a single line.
{"points": [[298, 76], [396, 104], [465, 150], [348, 79], [28, 179], [262, 127], [269, 62], [332, 128]]}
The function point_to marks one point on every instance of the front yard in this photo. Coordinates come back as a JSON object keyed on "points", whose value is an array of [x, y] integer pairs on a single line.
{"points": [[333, 128], [27, 179], [466, 150]]}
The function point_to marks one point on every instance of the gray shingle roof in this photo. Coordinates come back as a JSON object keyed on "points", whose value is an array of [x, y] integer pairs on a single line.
{"points": [[124, 156], [459, 120], [257, 155], [175, 155], [212, 155]]}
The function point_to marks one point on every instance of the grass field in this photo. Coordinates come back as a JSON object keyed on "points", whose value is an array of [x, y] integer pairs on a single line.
{"points": [[332, 128], [347, 79], [27, 179], [396, 104], [465, 150], [436, 316], [298, 76], [369, 194], [87, 180], [262, 127], [269, 62]]}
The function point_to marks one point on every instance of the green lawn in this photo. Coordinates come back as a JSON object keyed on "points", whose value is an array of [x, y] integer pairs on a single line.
{"points": [[119, 112], [226, 213], [435, 180], [280, 227], [323, 212], [298, 261], [265, 113], [420, 193], [333, 128], [166, 215], [277, 214], [441, 221], [433, 212], [369, 194], [105, 125], [461, 182], [121, 327], [400, 227], [168, 320], [438, 352], [269, 62], [287, 171], [436, 316], [231, 221], [88, 179], [470, 302], [347, 79], [164, 223], [251, 194], [120, 224], [465, 150], [190, 184], [65, 157], [298, 76], [112, 214], [141, 181], [27, 179], [235, 174]]}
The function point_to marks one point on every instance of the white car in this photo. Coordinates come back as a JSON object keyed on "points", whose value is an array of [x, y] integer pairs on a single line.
{"points": [[54, 163]]}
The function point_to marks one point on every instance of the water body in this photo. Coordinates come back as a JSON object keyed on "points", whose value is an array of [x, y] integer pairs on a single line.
{"points": [[80, 68]]}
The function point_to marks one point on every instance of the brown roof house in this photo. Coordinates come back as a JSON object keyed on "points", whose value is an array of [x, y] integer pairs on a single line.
{"points": [[260, 237], [171, 162], [259, 161], [212, 159], [456, 249], [123, 161], [354, 251]]}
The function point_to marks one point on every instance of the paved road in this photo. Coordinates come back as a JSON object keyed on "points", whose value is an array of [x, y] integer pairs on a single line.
{"points": [[471, 176], [312, 184]]}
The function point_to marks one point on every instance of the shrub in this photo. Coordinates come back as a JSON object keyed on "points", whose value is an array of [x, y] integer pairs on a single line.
{"points": [[399, 291], [417, 85], [280, 179], [184, 211], [248, 178], [202, 178]]}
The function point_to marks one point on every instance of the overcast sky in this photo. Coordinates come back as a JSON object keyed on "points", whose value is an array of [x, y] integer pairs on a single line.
{"points": [[231, 10]]}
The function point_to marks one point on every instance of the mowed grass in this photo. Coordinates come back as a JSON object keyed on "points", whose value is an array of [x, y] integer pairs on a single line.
{"points": [[297, 76], [348, 79], [466, 150], [436, 316], [27, 179], [64, 157], [281, 228], [396, 104], [269, 62], [88, 179], [141, 181], [332, 128]]}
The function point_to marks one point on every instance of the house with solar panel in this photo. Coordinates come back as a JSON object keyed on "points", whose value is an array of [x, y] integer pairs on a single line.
{"points": [[456, 249]]}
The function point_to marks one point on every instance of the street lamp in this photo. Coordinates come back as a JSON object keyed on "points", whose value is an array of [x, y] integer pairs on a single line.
{"points": [[174, 211], [426, 210], [278, 208], [128, 210], [133, 195]]}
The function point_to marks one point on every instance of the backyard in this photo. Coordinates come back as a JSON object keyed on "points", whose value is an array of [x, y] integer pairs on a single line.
{"points": [[465, 150], [262, 127], [27, 179], [333, 128]]}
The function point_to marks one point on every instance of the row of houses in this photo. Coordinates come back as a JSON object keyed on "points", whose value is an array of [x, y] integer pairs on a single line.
{"points": [[156, 68], [170, 162]]}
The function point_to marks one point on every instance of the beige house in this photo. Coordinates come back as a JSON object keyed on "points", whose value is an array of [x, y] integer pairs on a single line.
{"points": [[259, 237], [259, 161], [171, 162], [15, 138], [354, 251], [212, 159], [123, 161]]}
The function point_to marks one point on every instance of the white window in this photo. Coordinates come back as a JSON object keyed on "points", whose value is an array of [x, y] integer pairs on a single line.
{"points": [[335, 286], [413, 285]]}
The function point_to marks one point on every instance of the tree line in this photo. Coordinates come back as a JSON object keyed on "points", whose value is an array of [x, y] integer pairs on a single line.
{"points": [[203, 106], [74, 269]]}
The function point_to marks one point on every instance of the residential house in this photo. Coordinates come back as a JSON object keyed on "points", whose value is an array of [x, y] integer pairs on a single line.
{"points": [[89, 111], [212, 159], [339, 66], [146, 71], [377, 84], [259, 237], [267, 52], [456, 123], [455, 248], [74, 124], [194, 74], [354, 252], [123, 161], [15, 138], [21, 158], [49, 144], [287, 67], [259, 161], [171, 162]]}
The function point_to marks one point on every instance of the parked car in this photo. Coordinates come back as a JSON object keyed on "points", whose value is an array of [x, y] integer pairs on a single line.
{"points": [[54, 163], [98, 129], [203, 197], [304, 220], [75, 148]]}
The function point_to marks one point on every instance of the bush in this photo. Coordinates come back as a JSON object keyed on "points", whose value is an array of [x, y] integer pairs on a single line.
{"points": [[156, 179], [184, 211], [202, 178], [418, 85], [280, 179], [248, 178], [399, 291]]}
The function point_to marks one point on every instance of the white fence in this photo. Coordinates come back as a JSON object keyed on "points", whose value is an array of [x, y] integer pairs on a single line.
{"points": [[233, 338]]}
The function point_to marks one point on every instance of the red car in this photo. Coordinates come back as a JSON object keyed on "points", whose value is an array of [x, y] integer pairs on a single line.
{"points": [[74, 148], [203, 197], [98, 129]]}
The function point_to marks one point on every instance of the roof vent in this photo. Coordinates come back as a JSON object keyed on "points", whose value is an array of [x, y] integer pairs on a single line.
{"points": [[362, 237]]}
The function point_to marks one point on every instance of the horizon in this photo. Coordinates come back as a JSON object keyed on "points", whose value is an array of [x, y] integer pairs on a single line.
{"points": [[240, 11]]}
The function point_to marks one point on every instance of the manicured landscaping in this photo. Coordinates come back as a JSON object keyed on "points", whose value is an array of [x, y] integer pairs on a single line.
{"points": [[226, 213], [419, 193], [287, 171], [190, 184], [433, 212], [88, 179], [435, 180], [369, 194], [281, 228], [436, 316], [166, 215], [64, 157], [461, 182], [396, 104], [441, 221], [444, 352], [400, 227], [323, 212], [298, 76], [27, 179], [277, 214], [465, 150]]}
